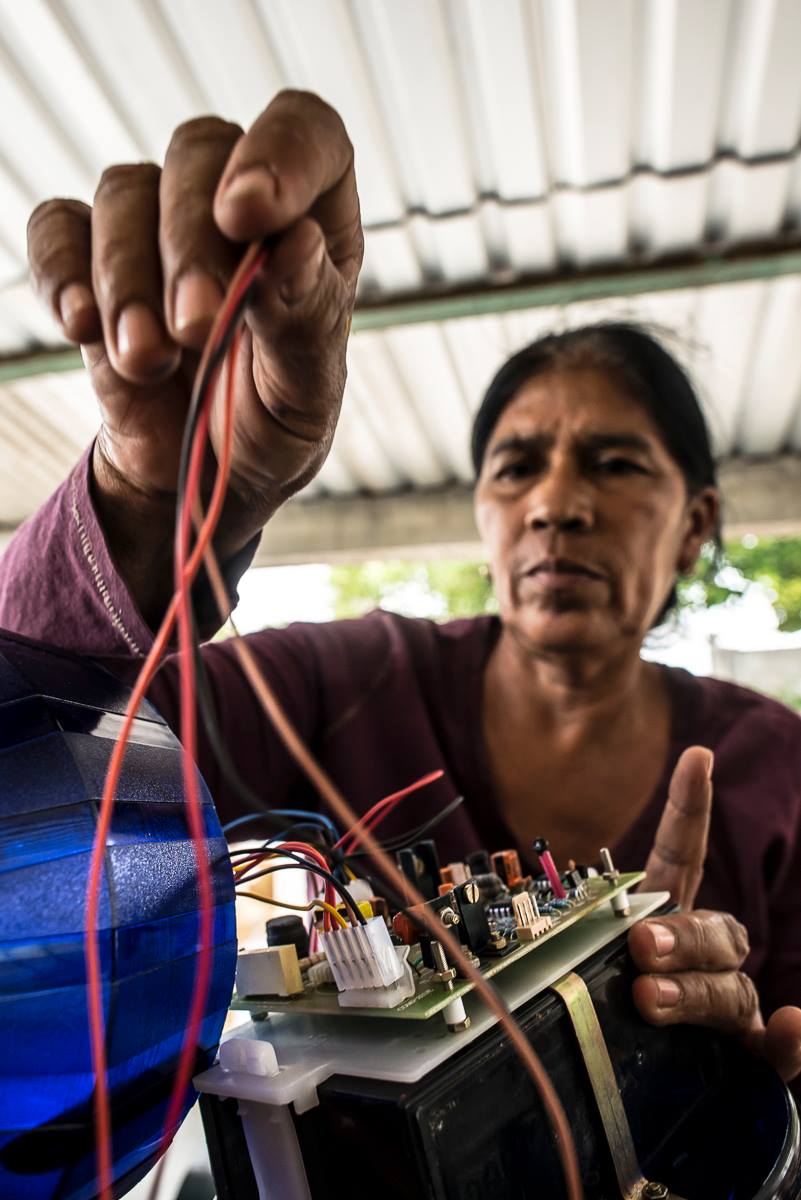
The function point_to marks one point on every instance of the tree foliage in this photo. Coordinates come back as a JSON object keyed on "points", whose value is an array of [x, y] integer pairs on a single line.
{"points": [[445, 588], [774, 563], [439, 588]]}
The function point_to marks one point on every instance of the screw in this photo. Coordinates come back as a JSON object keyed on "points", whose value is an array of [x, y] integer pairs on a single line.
{"points": [[471, 892], [610, 871], [443, 972], [655, 1191], [449, 917], [497, 940]]}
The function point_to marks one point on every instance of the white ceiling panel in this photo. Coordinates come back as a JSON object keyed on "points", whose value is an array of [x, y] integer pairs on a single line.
{"points": [[495, 142]]}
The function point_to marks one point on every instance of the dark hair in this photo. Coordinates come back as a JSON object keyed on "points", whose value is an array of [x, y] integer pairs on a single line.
{"points": [[650, 374]]}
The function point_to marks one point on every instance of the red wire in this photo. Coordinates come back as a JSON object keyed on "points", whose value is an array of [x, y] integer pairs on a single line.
{"points": [[374, 816], [250, 265], [194, 810]]}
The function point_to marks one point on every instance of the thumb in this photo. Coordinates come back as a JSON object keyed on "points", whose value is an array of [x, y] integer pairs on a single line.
{"points": [[676, 862]]}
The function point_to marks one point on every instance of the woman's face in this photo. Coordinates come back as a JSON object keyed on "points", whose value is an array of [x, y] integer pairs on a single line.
{"points": [[584, 513]]}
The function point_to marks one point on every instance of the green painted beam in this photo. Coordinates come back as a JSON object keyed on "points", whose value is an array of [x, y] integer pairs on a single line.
{"points": [[570, 289], [550, 292]]}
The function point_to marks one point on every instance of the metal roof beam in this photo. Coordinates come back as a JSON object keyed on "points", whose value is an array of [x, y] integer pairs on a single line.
{"points": [[538, 292], [761, 496]]}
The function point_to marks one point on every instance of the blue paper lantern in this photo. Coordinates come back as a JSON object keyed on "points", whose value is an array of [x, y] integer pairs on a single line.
{"points": [[59, 719]]}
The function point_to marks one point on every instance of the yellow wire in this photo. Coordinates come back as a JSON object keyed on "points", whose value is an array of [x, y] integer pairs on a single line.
{"points": [[329, 908]]}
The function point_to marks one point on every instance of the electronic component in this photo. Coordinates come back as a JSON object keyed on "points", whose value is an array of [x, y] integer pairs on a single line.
{"points": [[388, 996], [479, 862], [272, 971], [455, 873], [528, 921], [620, 904], [473, 929], [288, 931], [362, 956], [506, 863], [420, 865], [549, 867]]}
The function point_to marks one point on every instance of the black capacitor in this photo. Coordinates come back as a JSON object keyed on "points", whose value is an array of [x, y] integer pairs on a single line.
{"points": [[479, 862], [288, 931]]}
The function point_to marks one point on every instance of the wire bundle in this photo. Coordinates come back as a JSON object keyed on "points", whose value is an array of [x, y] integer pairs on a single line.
{"points": [[223, 342]]}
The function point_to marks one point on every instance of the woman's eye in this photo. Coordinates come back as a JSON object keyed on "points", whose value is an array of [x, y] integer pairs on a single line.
{"points": [[618, 466], [513, 470]]}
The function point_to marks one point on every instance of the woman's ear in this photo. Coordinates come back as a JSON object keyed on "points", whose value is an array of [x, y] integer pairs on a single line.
{"points": [[703, 514]]}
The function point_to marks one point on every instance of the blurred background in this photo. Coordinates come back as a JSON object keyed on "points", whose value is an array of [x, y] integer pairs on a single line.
{"points": [[524, 165]]}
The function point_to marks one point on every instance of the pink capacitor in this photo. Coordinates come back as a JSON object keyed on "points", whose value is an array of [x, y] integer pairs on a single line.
{"points": [[549, 867]]}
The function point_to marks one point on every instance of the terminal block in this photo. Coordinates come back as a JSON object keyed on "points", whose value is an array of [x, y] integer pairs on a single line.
{"points": [[528, 921]]}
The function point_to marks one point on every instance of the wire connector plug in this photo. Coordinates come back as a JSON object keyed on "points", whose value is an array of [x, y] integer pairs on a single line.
{"points": [[362, 956]]}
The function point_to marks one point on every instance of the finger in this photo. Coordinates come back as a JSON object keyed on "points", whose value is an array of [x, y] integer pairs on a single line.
{"points": [[197, 261], [782, 1042], [126, 273], [60, 258], [295, 159], [726, 1000], [676, 863], [702, 941], [299, 318]]}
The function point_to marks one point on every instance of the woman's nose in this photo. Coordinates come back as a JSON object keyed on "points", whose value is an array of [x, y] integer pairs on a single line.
{"points": [[559, 502]]}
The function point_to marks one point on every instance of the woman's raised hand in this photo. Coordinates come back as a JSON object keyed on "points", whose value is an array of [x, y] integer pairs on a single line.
{"points": [[692, 960], [137, 279]]}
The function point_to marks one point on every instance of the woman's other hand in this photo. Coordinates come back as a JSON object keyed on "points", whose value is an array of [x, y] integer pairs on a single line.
{"points": [[692, 960]]}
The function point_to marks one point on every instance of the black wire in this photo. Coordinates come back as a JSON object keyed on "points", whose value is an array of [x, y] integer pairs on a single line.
{"points": [[205, 702], [402, 840], [238, 785], [248, 877]]}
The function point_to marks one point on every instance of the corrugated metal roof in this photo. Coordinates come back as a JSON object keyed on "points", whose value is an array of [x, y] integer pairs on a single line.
{"points": [[493, 141], [412, 390]]}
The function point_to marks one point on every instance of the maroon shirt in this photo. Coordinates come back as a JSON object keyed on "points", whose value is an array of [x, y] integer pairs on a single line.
{"points": [[385, 699]]}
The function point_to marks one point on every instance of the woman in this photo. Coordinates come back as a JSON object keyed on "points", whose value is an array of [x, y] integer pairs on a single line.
{"points": [[595, 489]]}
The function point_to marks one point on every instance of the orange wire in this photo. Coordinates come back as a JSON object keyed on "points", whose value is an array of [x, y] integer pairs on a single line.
{"points": [[340, 809], [345, 815]]}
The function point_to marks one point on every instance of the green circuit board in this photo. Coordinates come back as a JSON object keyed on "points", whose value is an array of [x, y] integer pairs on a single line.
{"points": [[430, 996]]}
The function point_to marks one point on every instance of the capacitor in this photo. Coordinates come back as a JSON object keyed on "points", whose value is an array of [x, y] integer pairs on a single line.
{"points": [[479, 862], [288, 931], [506, 863]]}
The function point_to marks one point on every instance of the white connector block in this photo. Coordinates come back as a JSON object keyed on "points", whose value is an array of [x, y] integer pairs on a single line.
{"points": [[273, 971], [362, 956], [383, 997]]}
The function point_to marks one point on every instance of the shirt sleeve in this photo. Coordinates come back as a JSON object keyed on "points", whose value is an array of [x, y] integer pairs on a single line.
{"points": [[59, 585]]}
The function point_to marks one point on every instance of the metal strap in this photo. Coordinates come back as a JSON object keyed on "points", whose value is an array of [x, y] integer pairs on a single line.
{"points": [[573, 991]]}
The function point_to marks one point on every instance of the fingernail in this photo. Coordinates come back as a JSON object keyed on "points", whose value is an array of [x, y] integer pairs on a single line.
{"points": [[197, 300], [257, 181], [668, 993], [75, 299], [664, 938], [710, 765], [295, 289], [137, 330]]}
